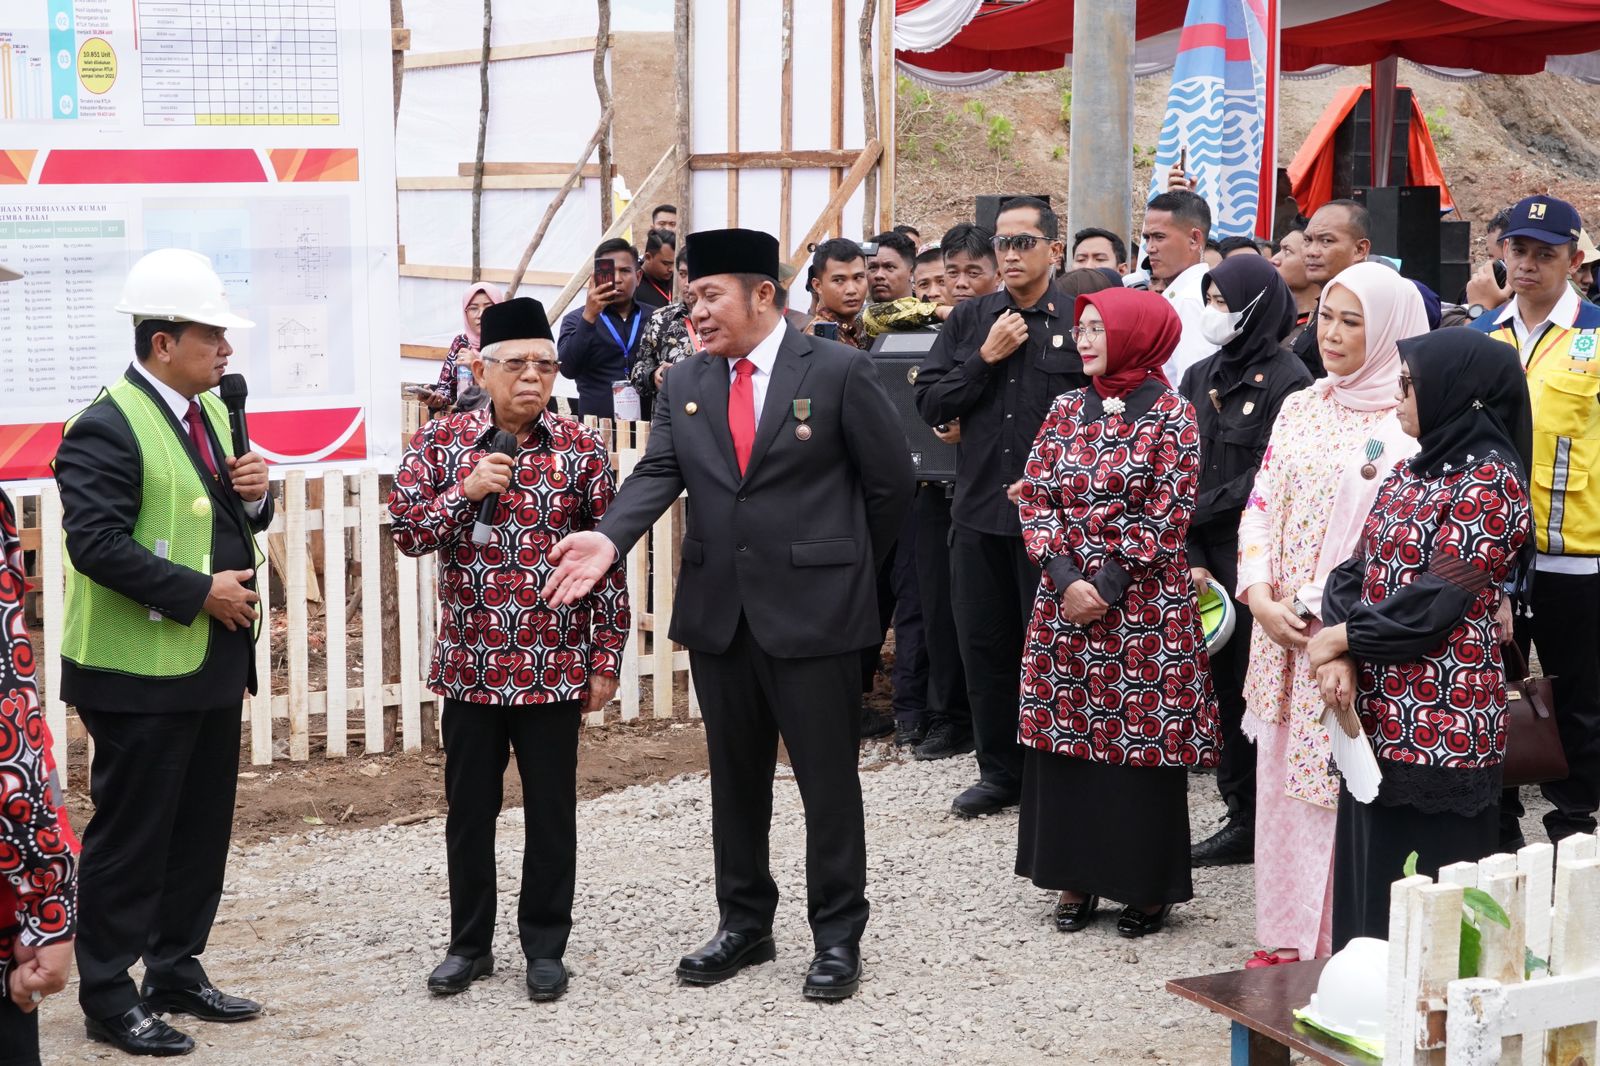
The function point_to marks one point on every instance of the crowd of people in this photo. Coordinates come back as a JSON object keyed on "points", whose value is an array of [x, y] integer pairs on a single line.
{"points": [[1390, 489]]}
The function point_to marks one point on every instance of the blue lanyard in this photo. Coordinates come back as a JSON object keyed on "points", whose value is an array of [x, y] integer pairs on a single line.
{"points": [[633, 330]]}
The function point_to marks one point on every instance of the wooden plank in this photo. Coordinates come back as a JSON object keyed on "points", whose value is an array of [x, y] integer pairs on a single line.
{"points": [[261, 703], [1575, 947], [786, 126], [456, 183], [1464, 874], [52, 576], [886, 106], [643, 199], [1472, 1027], [495, 274], [638, 573], [561, 170], [1405, 973], [661, 543], [424, 351], [427, 632], [399, 40], [1503, 948], [461, 57], [682, 109], [803, 159], [733, 108], [829, 215], [1436, 934], [1538, 862], [834, 216], [410, 666], [333, 613], [1535, 1007], [371, 614], [298, 635]]}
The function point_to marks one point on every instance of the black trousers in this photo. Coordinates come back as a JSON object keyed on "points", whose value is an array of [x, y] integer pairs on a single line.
{"points": [[478, 741], [947, 681], [992, 587], [1565, 630], [155, 850], [749, 699], [19, 1035], [1216, 547], [900, 606]]}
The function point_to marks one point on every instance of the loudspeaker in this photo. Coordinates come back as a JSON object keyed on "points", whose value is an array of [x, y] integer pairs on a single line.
{"points": [[988, 207], [1352, 145], [897, 357], [1405, 226], [1455, 259]]}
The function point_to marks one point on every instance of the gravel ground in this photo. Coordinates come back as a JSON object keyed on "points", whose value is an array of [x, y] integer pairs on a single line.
{"points": [[336, 932]]}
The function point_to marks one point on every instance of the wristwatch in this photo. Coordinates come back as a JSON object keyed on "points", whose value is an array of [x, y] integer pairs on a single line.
{"points": [[1474, 310]]}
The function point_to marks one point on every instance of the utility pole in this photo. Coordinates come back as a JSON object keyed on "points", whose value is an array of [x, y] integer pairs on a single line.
{"points": [[1100, 168]]}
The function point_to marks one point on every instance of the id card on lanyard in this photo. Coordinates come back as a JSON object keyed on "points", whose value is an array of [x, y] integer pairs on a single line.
{"points": [[633, 332]]}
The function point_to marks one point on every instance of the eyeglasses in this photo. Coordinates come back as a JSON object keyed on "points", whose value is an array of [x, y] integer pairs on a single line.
{"points": [[515, 367], [1088, 333], [1405, 385], [1022, 242]]}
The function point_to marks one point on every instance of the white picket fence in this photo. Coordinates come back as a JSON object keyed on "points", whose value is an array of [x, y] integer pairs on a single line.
{"points": [[347, 698], [1503, 1018]]}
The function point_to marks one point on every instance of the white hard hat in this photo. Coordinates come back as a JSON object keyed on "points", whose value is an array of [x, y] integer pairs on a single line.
{"points": [[177, 284], [7, 274], [1351, 990]]}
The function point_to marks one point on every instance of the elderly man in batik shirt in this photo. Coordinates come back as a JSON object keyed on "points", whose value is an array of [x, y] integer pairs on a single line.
{"points": [[492, 491]]}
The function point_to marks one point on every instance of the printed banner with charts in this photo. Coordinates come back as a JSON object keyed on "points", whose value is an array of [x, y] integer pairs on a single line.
{"points": [[259, 132]]}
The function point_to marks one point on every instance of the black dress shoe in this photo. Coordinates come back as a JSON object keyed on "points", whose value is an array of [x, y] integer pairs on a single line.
{"points": [[874, 724], [547, 979], [1231, 845], [907, 735], [138, 1032], [725, 955], [944, 741], [1135, 923], [835, 973], [457, 972], [1072, 917], [204, 1001], [984, 798]]}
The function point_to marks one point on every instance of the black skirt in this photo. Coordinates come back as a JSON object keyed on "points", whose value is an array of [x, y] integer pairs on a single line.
{"points": [[1120, 832], [1370, 846]]}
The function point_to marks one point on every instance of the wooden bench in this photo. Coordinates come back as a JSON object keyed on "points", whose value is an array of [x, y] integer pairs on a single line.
{"points": [[1261, 1004]]}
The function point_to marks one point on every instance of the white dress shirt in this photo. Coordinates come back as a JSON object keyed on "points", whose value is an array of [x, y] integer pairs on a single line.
{"points": [[1184, 296], [763, 355], [178, 404]]}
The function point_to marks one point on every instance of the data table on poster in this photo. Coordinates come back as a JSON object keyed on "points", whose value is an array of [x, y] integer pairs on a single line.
{"points": [[240, 62]]}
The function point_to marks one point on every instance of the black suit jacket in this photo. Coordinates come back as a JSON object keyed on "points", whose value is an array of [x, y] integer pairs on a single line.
{"points": [[98, 470], [794, 544]]}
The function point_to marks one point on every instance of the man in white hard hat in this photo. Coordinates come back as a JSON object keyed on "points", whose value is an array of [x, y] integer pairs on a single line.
{"points": [[158, 652]]}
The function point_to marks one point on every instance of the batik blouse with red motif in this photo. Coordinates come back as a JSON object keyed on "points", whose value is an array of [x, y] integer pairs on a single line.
{"points": [[38, 852], [1418, 602], [499, 641]]}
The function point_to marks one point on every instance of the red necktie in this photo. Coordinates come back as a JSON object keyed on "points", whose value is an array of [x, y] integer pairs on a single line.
{"points": [[197, 433], [742, 412]]}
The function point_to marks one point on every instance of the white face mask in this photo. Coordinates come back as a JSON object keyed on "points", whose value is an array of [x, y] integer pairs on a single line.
{"points": [[1219, 327]]}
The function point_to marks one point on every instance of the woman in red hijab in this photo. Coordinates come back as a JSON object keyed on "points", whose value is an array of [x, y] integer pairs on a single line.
{"points": [[1116, 688]]}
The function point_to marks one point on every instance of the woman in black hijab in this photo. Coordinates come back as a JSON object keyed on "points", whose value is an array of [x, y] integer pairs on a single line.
{"points": [[1236, 393], [1411, 652]]}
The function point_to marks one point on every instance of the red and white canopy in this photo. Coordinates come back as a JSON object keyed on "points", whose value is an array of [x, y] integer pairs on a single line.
{"points": [[965, 42]]}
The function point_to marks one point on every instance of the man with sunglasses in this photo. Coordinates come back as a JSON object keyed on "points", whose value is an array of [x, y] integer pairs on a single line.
{"points": [[514, 672], [1000, 361]]}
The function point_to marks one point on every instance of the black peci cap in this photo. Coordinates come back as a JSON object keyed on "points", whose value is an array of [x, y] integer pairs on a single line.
{"points": [[522, 319], [732, 251]]}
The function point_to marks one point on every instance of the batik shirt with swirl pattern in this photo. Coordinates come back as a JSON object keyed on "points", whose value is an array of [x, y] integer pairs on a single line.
{"points": [[1433, 555], [38, 852], [499, 641], [1106, 498]]}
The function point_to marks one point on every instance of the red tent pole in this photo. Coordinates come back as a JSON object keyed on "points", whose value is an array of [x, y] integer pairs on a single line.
{"points": [[1267, 198], [1385, 102]]}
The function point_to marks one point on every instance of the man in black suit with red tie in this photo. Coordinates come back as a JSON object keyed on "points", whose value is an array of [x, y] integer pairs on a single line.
{"points": [[798, 476]]}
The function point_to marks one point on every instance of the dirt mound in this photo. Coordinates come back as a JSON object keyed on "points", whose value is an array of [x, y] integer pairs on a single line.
{"points": [[1499, 139]]}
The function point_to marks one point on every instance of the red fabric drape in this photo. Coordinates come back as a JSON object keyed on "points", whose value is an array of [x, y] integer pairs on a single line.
{"points": [[1311, 170]]}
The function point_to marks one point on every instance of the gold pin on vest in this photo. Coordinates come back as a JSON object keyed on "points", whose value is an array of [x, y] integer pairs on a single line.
{"points": [[690, 408]]}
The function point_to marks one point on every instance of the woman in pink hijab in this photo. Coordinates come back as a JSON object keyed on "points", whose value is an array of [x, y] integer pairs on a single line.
{"points": [[479, 296], [1331, 448]]}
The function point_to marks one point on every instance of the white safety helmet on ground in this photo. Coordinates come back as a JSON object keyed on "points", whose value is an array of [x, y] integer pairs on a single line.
{"points": [[7, 274], [1350, 995], [1218, 616], [178, 285]]}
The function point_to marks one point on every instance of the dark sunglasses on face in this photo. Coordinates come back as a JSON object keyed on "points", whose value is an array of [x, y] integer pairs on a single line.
{"points": [[1022, 242]]}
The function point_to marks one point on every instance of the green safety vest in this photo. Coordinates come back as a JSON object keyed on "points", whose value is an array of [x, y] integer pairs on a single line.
{"points": [[106, 630]]}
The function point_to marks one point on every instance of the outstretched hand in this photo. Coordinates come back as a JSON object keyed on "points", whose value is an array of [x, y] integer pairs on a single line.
{"points": [[581, 559]]}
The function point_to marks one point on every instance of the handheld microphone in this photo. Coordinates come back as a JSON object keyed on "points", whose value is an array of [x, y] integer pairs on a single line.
{"points": [[500, 443], [233, 391]]}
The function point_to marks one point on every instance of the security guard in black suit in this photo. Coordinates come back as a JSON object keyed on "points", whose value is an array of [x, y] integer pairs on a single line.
{"points": [[158, 652], [798, 477]]}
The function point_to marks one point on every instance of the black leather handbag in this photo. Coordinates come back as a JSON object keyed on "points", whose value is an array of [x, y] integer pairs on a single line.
{"points": [[1533, 743]]}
